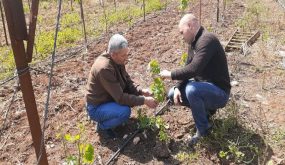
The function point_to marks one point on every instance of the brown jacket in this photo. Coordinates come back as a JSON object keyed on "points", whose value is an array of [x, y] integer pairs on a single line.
{"points": [[109, 82]]}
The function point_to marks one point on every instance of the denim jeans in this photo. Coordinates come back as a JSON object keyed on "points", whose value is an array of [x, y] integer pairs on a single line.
{"points": [[200, 97], [109, 115]]}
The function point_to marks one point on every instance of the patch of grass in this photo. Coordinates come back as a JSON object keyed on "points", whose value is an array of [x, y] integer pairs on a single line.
{"points": [[26, 8], [244, 22], [256, 9], [254, 13], [70, 18], [187, 157], [44, 43], [7, 62], [232, 141], [69, 36], [129, 13], [279, 136], [45, 4], [66, 36]]}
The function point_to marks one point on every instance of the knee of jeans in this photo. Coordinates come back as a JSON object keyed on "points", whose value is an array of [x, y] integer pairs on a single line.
{"points": [[191, 91], [91, 111], [125, 112], [170, 93]]}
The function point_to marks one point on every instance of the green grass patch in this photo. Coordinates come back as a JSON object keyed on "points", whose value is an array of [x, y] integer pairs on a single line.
{"points": [[232, 141], [129, 13], [187, 157], [7, 62]]}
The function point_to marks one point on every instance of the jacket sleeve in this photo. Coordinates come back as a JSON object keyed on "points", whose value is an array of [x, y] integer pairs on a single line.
{"points": [[132, 88], [204, 53], [112, 86]]}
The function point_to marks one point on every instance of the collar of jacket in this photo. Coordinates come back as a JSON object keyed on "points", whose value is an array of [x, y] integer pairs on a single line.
{"points": [[198, 35], [107, 55]]}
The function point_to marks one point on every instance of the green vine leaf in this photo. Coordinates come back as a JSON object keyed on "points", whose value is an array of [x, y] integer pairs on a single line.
{"points": [[88, 156], [158, 90], [154, 67], [183, 59], [68, 138]]}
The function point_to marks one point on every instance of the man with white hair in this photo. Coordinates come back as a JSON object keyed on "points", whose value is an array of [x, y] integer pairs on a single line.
{"points": [[110, 90], [204, 80]]}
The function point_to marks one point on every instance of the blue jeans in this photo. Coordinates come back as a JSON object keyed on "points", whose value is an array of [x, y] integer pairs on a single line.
{"points": [[109, 115], [201, 97]]}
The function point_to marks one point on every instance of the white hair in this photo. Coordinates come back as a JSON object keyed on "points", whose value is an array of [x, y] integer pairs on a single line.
{"points": [[117, 42]]}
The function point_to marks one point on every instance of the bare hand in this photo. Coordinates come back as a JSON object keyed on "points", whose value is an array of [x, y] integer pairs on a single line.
{"points": [[146, 92], [150, 102], [177, 96], [165, 74]]}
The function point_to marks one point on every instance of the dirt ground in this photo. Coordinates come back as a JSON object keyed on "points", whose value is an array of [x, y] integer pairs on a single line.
{"points": [[259, 95]]}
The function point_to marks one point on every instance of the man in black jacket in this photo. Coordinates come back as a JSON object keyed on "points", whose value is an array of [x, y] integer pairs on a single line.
{"points": [[204, 81]]}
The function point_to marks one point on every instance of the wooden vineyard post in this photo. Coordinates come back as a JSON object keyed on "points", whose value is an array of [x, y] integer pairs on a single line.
{"points": [[218, 10], [105, 15], [18, 33], [200, 13], [32, 29], [83, 23], [143, 10], [3, 21]]}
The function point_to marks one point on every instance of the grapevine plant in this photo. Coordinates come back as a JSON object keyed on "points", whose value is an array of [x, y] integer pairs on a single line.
{"points": [[154, 123], [158, 90], [154, 67], [157, 87], [183, 59], [85, 151]]}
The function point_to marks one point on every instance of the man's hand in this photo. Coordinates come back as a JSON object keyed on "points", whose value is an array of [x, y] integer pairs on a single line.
{"points": [[146, 92], [165, 74], [150, 102], [177, 96]]}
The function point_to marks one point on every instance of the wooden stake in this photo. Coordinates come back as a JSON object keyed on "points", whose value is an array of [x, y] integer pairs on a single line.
{"points": [[200, 13], [14, 13], [3, 21], [83, 23]]}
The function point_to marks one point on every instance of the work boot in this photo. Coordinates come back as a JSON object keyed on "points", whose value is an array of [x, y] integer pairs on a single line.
{"points": [[108, 133], [195, 139], [210, 113]]}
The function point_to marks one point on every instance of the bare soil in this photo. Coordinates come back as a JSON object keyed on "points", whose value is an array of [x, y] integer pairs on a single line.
{"points": [[260, 95]]}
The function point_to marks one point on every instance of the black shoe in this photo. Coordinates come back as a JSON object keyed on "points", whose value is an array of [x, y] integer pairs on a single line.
{"points": [[195, 139], [211, 112], [108, 133]]}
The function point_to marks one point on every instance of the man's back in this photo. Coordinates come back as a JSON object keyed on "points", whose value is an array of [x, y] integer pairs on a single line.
{"points": [[216, 69], [96, 93], [206, 62], [108, 82]]}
